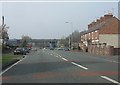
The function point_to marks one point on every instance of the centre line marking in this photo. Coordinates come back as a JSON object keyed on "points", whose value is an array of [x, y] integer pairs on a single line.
{"points": [[79, 66], [64, 59], [60, 56], [56, 56], [111, 80]]}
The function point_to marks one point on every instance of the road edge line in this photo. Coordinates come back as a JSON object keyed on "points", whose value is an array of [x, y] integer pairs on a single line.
{"points": [[11, 66]]}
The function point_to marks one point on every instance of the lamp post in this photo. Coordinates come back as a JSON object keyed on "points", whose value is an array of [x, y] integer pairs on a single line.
{"points": [[70, 36]]}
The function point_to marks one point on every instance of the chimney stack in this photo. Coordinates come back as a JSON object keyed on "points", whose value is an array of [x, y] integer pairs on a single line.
{"points": [[109, 15], [93, 23], [89, 26], [98, 21], [102, 19]]}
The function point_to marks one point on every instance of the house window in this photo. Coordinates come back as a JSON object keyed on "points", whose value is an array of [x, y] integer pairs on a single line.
{"points": [[89, 34], [85, 36], [95, 37], [92, 36], [96, 31]]}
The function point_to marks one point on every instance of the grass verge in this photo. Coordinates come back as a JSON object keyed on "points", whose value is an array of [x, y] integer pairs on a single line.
{"points": [[9, 57]]}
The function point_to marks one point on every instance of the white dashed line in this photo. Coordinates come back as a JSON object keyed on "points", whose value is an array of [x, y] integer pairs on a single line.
{"points": [[111, 80], [64, 59], [60, 56], [56, 56], [79, 66]]}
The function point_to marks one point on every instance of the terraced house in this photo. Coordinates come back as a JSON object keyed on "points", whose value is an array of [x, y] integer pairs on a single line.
{"points": [[103, 31]]}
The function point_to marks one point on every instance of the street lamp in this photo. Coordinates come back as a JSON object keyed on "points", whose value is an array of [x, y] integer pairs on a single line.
{"points": [[70, 37]]}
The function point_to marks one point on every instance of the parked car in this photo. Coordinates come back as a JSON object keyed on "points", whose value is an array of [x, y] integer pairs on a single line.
{"points": [[26, 50], [20, 51]]}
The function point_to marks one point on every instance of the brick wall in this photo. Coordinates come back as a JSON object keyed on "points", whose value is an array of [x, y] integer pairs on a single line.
{"points": [[116, 51], [102, 49]]}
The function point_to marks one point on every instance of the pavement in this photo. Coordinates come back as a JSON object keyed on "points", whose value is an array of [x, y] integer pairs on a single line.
{"points": [[53, 66]]}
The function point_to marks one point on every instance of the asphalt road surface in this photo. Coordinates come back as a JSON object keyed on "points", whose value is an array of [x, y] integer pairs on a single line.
{"points": [[53, 66]]}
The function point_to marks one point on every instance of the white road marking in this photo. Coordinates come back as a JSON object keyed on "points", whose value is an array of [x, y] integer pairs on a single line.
{"points": [[60, 56], [111, 80], [56, 56], [11, 66], [79, 66], [64, 59]]}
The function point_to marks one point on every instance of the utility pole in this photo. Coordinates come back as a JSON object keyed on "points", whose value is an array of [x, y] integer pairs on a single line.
{"points": [[70, 36], [70, 42]]}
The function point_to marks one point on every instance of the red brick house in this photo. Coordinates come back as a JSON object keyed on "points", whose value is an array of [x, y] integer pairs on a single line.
{"points": [[103, 30]]}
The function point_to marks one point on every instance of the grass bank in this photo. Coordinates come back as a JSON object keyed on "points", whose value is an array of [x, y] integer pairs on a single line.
{"points": [[9, 57]]}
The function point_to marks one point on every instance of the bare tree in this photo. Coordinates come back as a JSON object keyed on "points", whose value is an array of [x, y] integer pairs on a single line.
{"points": [[25, 40], [76, 36]]}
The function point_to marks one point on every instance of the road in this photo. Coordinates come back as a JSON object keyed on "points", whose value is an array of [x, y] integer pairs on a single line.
{"points": [[53, 66]]}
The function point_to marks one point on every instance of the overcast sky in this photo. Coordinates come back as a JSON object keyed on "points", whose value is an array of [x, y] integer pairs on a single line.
{"points": [[47, 20]]}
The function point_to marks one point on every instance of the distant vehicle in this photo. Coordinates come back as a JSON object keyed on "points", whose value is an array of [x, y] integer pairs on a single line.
{"points": [[66, 49], [51, 48], [60, 48], [44, 48], [34, 49], [40, 48], [20, 51]]}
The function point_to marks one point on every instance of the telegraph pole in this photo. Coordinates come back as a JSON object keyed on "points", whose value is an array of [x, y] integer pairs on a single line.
{"points": [[70, 37]]}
